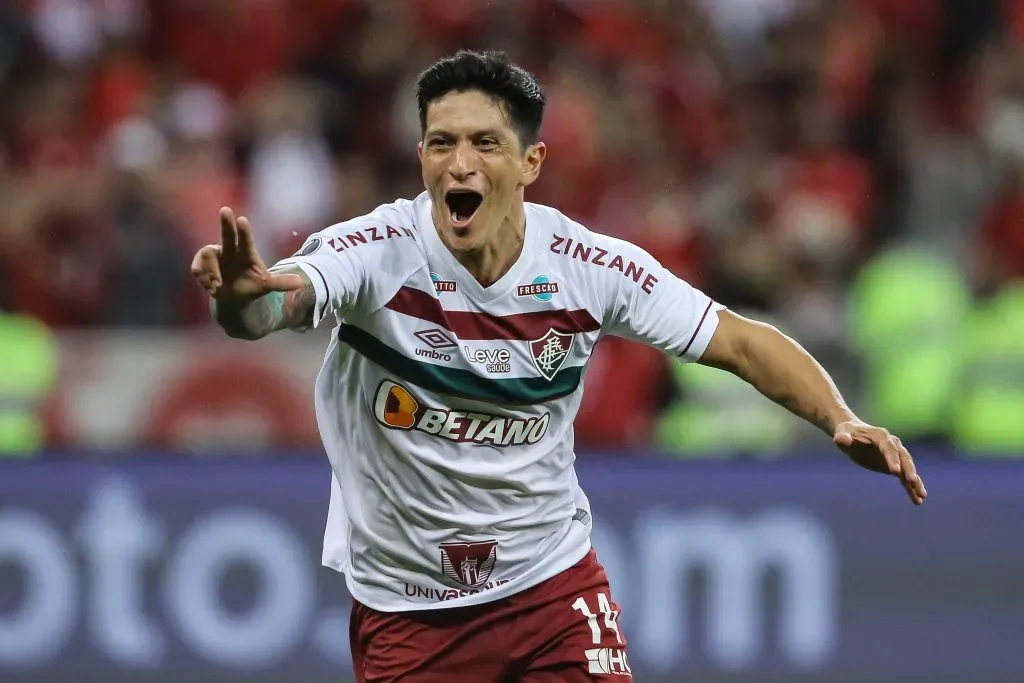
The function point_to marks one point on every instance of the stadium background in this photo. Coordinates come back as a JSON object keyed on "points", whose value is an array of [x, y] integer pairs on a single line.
{"points": [[850, 170]]}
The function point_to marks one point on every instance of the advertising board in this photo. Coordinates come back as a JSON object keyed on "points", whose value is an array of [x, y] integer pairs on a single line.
{"points": [[170, 570]]}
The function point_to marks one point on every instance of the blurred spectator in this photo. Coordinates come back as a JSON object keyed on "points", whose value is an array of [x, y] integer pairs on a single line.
{"points": [[28, 366], [291, 190], [146, 285], [1003, 239], [990, 396]]}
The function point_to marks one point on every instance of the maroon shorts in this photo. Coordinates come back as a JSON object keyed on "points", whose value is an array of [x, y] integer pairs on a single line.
{"points": [[564, 630]]}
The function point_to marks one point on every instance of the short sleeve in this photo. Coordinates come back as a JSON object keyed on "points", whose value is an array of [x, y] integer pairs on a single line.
{"points": [[658, 308], [337, 273]]}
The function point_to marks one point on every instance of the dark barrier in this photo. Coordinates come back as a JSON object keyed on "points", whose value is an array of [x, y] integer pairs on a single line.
{"points": [[170, 571]]}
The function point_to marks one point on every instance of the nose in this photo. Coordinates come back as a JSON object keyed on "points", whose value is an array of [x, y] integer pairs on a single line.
{"points": [[462, 166]]}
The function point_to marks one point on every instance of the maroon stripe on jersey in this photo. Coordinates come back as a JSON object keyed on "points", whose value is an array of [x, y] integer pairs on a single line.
{"points": [[699, 325], [327, 290], [469, 325]]}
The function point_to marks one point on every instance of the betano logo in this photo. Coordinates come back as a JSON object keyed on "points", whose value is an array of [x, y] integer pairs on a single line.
{"points": [[395, 407]]}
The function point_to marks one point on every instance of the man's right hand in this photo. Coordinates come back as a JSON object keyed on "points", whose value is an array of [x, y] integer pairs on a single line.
{"points": [[232, 270]]}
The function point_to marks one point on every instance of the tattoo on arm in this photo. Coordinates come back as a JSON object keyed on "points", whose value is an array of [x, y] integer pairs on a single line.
{"points": [[269, 313]]}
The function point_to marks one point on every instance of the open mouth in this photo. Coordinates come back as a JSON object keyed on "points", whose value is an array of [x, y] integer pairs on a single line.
{"points": [[462, 206]]}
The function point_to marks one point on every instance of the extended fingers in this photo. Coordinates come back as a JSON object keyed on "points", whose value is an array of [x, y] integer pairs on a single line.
{"points": [[877, 449], [246, 243], [886, 445], [228, 230], [911, 479], [890, 447], [907, 466]]}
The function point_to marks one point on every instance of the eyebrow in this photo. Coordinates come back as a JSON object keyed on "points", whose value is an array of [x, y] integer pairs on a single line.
{"points": [[489, 132]]}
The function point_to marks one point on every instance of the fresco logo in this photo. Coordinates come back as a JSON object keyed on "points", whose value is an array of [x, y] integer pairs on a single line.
{"points": [[540, 289]]}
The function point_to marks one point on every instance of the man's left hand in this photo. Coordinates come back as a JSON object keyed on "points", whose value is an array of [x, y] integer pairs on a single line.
{"points": [[876, 449]]}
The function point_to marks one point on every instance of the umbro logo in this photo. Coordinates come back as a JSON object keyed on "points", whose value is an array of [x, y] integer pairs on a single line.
{"points": [[436, 339]]}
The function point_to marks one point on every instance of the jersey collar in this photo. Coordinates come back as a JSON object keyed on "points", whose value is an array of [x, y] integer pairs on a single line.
{"points": [[465, 279]]}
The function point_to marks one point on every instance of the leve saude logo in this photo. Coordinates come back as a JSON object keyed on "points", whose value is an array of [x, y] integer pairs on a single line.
{"points": [[541, 289], [494, 360]]}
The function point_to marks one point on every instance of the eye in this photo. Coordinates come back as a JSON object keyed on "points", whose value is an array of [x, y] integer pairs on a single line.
{"points": [[487, 143], [438, 143]]}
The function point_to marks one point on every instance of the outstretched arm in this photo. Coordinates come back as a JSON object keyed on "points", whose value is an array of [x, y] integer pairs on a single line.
{"points": [[779, 368], [268, 313], [782, 370], [248, 300]]}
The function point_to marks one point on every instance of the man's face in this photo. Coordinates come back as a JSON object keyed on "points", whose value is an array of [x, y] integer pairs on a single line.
{"points": [[473, 167]]}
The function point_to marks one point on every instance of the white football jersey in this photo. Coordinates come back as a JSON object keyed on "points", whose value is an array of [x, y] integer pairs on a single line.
{"points": [[446, 408]]}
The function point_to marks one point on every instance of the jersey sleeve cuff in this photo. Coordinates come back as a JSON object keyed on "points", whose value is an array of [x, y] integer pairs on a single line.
{"points": [[698, 343], [316, 277]]}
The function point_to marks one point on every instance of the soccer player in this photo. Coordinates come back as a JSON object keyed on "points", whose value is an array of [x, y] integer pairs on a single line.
{"points": [[463, 322]]}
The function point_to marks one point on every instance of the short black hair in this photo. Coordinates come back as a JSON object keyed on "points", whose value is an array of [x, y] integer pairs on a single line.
{"points": [[493, 74]]}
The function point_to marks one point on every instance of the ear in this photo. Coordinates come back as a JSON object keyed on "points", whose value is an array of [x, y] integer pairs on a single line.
{"points": [[419, 150], [532, 161]]}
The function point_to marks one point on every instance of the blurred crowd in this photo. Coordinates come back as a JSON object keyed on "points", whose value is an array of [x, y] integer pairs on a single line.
{"points": [[765, 150]]}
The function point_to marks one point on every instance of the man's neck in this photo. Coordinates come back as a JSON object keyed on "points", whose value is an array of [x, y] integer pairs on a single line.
{"points": [[489, 263]]}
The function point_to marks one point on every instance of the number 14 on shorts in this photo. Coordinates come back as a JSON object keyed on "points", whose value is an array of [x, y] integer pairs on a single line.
{"points": [[603, 660]]}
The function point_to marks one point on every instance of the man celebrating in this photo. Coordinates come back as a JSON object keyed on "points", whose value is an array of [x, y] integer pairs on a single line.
{"points": [[464, 322]]}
